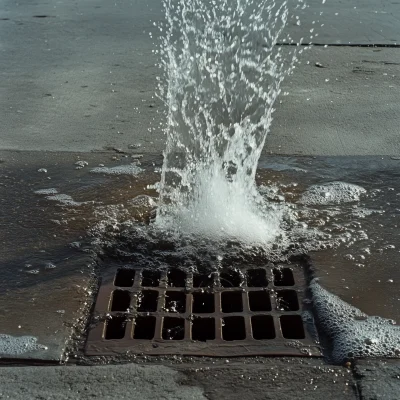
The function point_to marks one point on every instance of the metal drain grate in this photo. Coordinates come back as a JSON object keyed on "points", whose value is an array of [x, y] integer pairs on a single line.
{"points": [[255, 311]]}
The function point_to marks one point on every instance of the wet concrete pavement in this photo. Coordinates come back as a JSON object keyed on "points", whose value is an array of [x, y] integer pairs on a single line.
{"points": [[269, 379], [265, 379], [103, 382], [347, 107], [378, 379], [48, 274], [45, 255], [351, 271], [81, 77]]}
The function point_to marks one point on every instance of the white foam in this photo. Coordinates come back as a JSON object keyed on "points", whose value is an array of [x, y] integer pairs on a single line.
{"points": [[47, 191], [361, 212], [131, 169], [354, 334], [143, 201], [50, 265], [271, 192], [14, 345], [332, 193], [109, 219], [65, 199], [81, 164], [33, 271]]}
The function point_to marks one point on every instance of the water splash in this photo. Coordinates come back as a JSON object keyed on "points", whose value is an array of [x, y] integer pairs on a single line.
{"points": [[223, 73]]}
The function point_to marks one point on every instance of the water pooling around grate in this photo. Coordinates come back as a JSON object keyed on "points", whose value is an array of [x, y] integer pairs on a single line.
{"points": [[355, 254], [329, 231], [222, 75], [233, 312]]}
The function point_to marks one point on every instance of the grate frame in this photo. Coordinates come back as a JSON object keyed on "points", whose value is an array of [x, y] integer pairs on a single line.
{"points": [[212, 344]]}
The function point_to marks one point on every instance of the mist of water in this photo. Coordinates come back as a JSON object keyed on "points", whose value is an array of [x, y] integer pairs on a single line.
{"points": [[222, 75]]}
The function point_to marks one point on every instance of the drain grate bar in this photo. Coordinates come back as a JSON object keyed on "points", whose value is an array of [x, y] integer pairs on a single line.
{"points": [[254, 311]]}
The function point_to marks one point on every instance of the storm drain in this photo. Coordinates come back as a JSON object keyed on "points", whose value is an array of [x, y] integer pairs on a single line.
{"points": [[252, 311]]}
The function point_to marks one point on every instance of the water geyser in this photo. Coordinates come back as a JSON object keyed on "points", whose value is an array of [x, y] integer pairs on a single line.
{"points": [[222, 75]]}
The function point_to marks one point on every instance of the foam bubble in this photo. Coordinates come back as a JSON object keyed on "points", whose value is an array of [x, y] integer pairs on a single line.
{"points": [[47, 191], [81, 164], [353, 333], [131, 169], [14, 345], [65, 199], [361, 212], [143, 201], [332, 193]]}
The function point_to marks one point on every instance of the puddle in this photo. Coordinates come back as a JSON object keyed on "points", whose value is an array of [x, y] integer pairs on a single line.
{"points": [[353, 243], [47, 215], [46, 264], [362, 269], [130, 169], [362, 258], [351, 238]]}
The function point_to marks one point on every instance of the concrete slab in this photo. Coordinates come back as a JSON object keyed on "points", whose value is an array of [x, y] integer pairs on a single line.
{"points": [[103, 382], [82, 77], [267, 379], [351, 106], [378, 379], [274, 378], [365, 22]]}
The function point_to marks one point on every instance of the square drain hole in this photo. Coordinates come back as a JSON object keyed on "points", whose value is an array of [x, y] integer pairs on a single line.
{"points": [[233, 312], [233, 328], [144, 328], [203, 281], [173, 328], [115, 328], [283, 277], [151, 278], [230, 279], [121, 300], [292, 327], [203, 303], [147, 301], [257, 277], [259, 301], [125, 277], [175, 302], [176, 278], [203, 329], [286, 300], [231, 302], [263, 327]]}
